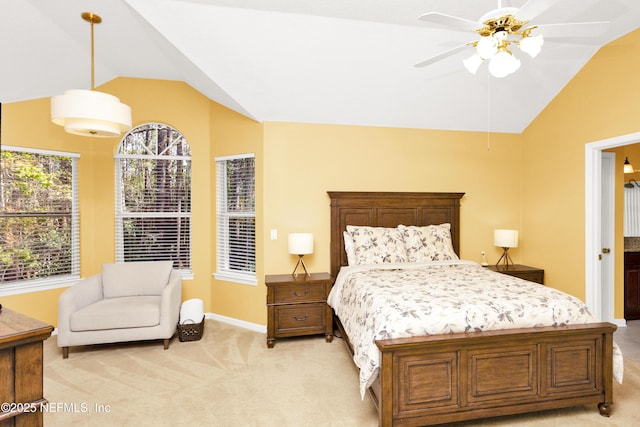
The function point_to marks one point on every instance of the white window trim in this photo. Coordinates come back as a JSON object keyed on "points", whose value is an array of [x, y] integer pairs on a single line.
{"points": [[229, 276], [40, 151], [28, 286], [242, 278]]}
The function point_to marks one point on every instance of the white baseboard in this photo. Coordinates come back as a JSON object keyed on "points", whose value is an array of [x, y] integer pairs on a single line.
{"points": [[621, 323], [224, 319], [236, 322]]}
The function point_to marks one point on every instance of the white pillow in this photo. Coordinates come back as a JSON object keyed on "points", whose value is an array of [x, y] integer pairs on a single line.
{"points": [[428, 243], [377, 245], [135, 278]]}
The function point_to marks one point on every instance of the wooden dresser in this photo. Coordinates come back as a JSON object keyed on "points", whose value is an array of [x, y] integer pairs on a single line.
{"points": [[297, 305], [21, 342]]}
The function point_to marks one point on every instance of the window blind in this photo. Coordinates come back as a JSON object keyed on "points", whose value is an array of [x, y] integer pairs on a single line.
{"points": [[236, 218], [39, 233], [153, 197]]}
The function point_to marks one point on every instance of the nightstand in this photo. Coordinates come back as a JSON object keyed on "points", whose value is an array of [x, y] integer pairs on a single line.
{"points": [[525, 272], [297, 306]]}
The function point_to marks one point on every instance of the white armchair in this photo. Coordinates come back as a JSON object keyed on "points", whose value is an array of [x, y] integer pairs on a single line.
{"points": [[130, 301]]}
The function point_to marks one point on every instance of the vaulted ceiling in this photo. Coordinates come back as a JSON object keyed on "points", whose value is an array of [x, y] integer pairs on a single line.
{"points": [[312, 61]]}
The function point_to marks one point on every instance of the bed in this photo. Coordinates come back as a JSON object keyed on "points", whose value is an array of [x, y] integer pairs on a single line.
{"points": [[439, 378]]}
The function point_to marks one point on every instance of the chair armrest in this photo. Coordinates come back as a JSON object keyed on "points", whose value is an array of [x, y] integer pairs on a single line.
{"points": [[171, 299], [85, 292]]}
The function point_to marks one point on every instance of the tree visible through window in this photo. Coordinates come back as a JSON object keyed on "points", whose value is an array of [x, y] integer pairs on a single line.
{"points": [[236, 218], [38, 216], [153, 189]]}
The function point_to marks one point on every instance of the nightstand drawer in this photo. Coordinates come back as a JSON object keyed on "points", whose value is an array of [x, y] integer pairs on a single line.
{"points": [[299, 292], [309, 318], [532, 276]]}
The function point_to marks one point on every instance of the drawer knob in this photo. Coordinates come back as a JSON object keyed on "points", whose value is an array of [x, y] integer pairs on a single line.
{"points": [[301, 319], [296, 294]]}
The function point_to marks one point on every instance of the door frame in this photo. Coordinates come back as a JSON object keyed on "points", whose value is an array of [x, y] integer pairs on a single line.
{"points": [[593, 221], [607, 233]]}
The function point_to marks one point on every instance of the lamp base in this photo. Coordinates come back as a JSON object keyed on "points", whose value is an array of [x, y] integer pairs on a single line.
{"points": [[505, 258], [300, 262]]}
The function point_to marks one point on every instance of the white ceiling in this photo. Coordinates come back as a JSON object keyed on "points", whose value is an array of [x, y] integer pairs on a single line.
{"points": [[312, 61]]}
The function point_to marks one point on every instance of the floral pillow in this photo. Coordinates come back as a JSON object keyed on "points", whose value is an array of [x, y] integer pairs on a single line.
{"points": [[428, 243], [349, 249], [377, 245]]}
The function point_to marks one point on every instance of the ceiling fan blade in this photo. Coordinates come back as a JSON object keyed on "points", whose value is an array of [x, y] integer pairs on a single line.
{"points": [[449, 21], [442, 55], [575, 29], [533, 8]]}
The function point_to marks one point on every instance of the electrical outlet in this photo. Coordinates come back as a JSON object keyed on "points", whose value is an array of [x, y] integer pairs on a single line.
{"points": [[274, 234]]}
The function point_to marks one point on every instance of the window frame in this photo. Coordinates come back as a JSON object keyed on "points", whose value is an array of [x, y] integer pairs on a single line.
{"points": [[120, 214], [222, 254], [53, 282]]}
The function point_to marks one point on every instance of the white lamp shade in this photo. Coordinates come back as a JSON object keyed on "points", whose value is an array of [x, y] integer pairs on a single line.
{"points": [[628, 167], [505, 238], [487, 47], [472, 63], [301, 243], [503, 64], [531, 45], [90, 113]]}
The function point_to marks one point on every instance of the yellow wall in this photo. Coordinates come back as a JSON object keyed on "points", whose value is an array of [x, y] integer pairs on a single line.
{"points": [[533, 182], [233, 134], [599, 103], [303, 161]]}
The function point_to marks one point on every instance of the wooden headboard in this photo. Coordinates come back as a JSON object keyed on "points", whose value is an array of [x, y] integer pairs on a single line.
{"points": [[389, 209]]}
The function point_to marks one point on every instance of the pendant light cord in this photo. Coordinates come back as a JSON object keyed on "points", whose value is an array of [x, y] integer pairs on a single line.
{"points": [[92, 18], [93, 85], [488, 112]]}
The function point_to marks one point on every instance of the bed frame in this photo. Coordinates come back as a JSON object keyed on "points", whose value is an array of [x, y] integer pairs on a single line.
{"points": [[447, 378]]}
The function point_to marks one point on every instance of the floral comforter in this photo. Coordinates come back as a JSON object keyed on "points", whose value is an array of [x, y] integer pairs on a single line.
{"points": [[400, 300]]}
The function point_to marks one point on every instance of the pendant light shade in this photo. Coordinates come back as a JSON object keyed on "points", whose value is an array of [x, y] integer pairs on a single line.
{"points": [[89, 112]]}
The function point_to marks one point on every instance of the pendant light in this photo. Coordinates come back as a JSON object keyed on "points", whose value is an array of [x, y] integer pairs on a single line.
{"points": [[89, 112]]}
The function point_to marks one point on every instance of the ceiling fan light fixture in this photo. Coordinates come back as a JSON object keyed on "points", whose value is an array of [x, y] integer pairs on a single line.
{"points": [[472, 63], [487, 47], [531, 45]]}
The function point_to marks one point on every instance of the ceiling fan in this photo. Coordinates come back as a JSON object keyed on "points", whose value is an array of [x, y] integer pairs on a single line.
{"points": [[503, 27]]}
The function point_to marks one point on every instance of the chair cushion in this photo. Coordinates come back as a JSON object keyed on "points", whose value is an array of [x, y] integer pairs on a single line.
{"points": [[135, 278], [117, 313]]}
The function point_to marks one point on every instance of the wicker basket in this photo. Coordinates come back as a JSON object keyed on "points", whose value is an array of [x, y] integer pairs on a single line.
{"points": [[190, 331]]}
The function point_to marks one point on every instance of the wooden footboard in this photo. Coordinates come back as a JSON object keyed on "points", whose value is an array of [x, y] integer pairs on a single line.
{"points": [[447, 378]]}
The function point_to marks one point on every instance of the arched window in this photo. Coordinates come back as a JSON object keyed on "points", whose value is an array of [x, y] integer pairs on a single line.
{"points": [[153, 196]]}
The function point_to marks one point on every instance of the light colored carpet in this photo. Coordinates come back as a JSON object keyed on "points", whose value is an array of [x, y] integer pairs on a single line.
{"points": [[230, 378]]}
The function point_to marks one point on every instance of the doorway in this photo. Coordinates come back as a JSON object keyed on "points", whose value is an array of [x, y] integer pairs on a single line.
{"points": [[596, 300]]}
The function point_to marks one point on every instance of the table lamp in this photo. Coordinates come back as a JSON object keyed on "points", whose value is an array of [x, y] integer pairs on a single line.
{"points": [[300, 244], [505, 239]]}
